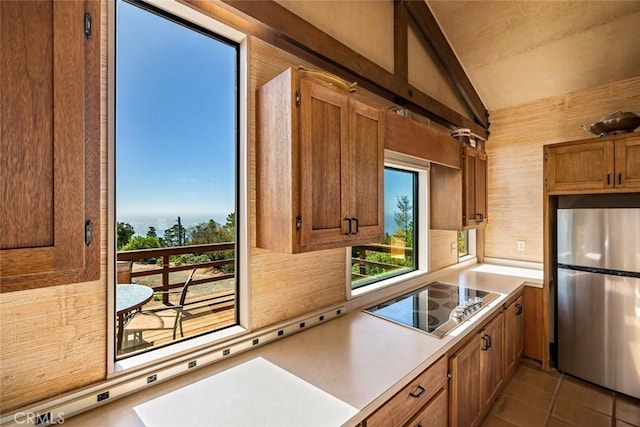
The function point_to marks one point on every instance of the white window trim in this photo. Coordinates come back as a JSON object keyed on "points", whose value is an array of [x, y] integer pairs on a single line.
{"points": [[471, 246], [164, 354], [421, 167]]}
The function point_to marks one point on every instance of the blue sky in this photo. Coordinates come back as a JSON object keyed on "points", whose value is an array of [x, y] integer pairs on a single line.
{"points": [[175, 120], [396, 184]]}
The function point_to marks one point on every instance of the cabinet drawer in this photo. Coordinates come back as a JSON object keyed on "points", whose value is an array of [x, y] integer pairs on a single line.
{"points": [[400, 408], [434, 414]]}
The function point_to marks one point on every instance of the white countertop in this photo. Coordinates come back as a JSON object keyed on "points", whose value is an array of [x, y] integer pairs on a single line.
{"points": [[347, 367]]}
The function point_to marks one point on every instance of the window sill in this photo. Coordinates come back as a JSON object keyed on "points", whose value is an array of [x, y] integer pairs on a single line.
{"points": [[386, 283], [173, 352]]}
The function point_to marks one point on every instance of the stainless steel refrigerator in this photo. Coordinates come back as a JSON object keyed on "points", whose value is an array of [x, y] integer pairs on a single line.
{"points": [[598, 296]]}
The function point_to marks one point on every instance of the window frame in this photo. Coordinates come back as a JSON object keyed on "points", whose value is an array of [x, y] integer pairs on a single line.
{"points": [[402, 162], [167, 353]]}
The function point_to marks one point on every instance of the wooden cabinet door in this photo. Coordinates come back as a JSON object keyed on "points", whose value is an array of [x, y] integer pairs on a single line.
{"points": [[513, 335], [582, 166], [474, 188], [627, 162], [519, 329], [366, 161], [466, 404], [509, 338], [481, 188], [50, 144], [491, 359], [325, 196], [434, 414], [534, 347]]}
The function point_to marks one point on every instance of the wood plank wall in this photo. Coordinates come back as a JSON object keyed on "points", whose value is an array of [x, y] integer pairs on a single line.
{"points": [[515, 159], [441, 254]]}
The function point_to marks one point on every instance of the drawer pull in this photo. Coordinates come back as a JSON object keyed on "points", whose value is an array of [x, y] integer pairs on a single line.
{"points": [[418, 394]]}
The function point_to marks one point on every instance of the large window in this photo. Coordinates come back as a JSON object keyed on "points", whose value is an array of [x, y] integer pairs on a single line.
{"points": [[176, 179], [398, 253]]}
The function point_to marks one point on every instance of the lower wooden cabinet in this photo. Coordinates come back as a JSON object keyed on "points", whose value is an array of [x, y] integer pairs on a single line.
{"points": [[434, 413], [425, 398], [513, 334], [491, 360], [477, 374], [534, 347], [466, 402]]}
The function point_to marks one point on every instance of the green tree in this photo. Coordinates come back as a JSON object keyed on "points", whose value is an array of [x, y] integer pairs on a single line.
{"points": [[144, 242], [152, 232], [172, 235], [124, 233], [403, 218], [231, 221], [209, 232]]}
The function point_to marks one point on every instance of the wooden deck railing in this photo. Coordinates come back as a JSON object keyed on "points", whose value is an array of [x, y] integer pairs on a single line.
{"points": [[165, 268], [389, 249]]}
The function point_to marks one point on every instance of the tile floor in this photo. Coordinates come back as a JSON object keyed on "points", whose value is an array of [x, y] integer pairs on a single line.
{"points": [[535, 398]]}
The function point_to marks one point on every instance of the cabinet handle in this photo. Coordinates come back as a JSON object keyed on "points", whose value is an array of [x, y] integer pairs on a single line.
{"points": [[518, 309], [479, 218], [490, 343], [485, 343], [619, 179], [418, 394], [608, 179], [349, 225], [357, 225]]}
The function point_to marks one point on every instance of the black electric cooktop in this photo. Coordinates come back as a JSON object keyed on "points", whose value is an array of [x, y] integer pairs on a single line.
{"points": [[436, 308]]}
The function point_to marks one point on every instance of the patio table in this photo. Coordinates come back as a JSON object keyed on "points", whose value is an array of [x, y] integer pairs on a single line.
{"points": [[129, 297]]}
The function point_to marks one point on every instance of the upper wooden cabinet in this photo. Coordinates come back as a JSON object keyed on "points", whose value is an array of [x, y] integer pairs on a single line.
{"points": [[604, 165], [474, 188], [320, 162], [50, 144], [459, 197]]}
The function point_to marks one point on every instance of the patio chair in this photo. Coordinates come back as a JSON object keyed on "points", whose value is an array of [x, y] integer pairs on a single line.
{"points": [[162, 318]]}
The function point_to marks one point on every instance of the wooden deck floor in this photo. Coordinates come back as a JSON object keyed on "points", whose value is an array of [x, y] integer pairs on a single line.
{"points": [[196, 321]]}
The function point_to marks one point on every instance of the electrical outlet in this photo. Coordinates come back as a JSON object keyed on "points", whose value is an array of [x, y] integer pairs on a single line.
{"points": [[152, 378], [521, 245], [192, 364], [103, 396]]}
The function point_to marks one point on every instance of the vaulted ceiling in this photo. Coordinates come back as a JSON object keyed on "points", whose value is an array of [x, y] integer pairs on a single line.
{"points": [[515, 52]]}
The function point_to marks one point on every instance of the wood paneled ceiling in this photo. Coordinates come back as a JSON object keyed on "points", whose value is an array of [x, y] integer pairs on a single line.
{"points": [[515, 52]]}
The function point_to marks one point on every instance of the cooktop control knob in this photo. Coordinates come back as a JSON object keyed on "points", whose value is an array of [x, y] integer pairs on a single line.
{"points": [[457, 314]]}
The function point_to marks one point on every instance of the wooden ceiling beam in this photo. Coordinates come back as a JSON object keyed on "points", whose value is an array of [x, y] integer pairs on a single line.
{"points": [[428, 26], [278, 26], [400, 41]]}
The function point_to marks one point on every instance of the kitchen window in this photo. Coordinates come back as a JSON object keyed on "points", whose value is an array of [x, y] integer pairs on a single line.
{"points": [[178, 176], [403, 248]]}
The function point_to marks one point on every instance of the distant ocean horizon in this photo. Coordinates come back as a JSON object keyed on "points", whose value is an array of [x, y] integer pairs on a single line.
{"points": [[141, 223]]}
